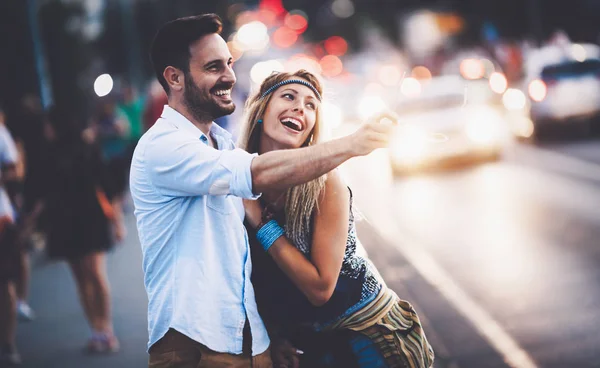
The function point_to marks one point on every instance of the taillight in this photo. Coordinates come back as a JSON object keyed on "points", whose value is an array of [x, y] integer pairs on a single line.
{"points": [[537, 90]]}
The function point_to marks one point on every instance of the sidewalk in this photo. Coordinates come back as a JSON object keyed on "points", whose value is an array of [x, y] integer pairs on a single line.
{"points": [[57, 337]]}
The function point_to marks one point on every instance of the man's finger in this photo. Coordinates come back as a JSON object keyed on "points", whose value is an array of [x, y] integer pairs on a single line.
{"points": [[388, 117]]}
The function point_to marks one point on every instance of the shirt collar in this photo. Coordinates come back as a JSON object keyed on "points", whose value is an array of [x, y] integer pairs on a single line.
{"points": [[182, 122]]}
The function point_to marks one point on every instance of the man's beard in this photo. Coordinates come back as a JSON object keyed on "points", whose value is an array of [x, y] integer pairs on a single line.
{"points": [[201, 108]]}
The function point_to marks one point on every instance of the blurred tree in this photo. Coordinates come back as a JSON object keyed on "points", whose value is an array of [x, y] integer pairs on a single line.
{"points": [[17, 64], [68, 55]]}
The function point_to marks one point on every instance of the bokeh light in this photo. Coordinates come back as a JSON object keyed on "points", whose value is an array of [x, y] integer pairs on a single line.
{"points": [[342, 8], [421, 73], [523, 127], [252, 36], [297, 21], [498, 82], [472, 69], [331, 65], [410, 87], [103, 85], [514, 99], [336, 45], [389, 75], [284, 37], [276, 6], [263, 69], [537, 90], [302, 61]]}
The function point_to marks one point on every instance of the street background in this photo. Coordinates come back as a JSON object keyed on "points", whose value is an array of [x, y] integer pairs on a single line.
{"points": [[484, 212]]}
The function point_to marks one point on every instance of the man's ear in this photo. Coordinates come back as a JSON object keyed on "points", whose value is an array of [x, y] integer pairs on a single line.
{"points": [[174, 78]]}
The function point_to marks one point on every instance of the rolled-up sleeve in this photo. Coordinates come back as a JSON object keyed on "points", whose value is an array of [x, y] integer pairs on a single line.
{"points": [[238, 162], [188, 167]]}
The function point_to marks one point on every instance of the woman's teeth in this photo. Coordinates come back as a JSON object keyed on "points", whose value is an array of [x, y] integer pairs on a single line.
{"points": [[292, 124]]}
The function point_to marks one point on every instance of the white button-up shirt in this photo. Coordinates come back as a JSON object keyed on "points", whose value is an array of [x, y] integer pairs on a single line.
{"points": [[196, 255]]}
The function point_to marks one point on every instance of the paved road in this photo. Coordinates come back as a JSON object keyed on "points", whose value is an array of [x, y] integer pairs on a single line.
{"points": [[512, 246]]}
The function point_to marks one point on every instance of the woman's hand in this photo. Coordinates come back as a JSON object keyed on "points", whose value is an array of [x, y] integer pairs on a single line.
{"points": [[253, 212]]}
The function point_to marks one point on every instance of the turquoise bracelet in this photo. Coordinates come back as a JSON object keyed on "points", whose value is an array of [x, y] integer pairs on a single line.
{"points": [[268, 233]]}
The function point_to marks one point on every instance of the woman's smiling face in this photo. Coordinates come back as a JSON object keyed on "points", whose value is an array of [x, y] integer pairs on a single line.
{"points": [[290, 117]]}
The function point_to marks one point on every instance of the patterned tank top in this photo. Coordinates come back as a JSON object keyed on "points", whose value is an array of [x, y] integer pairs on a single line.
{"points": [[280, 300]]}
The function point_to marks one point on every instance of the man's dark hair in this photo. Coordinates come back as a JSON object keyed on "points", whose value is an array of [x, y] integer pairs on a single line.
{"points": [[171, 45]]}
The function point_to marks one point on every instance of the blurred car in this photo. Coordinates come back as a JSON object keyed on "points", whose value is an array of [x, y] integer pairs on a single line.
{"points": [[566, 93], [451, 121], [564, 90]]}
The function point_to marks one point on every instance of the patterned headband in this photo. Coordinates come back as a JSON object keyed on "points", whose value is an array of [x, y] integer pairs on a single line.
{"points": [[292, 81]]}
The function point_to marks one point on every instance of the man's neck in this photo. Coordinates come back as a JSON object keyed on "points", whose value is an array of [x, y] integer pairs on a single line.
{"points": [[203, 125]]}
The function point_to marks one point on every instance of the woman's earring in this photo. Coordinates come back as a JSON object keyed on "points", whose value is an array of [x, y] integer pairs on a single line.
{"points": [[259, 121]]}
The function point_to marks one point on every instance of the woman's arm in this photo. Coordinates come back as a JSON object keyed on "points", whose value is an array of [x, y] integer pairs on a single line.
{"points": [[317, 277]]}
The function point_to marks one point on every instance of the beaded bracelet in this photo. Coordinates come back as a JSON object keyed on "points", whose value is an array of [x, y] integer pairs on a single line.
{"points": [[268, 233]]}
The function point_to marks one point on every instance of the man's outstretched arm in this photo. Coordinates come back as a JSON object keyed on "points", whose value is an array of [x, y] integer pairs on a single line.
{"points": [[283, 169]]}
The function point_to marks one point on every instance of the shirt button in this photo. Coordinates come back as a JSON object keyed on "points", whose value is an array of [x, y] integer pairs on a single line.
{"points": [[203, 138]]}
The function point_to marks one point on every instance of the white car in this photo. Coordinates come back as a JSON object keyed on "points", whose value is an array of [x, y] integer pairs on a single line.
{"points": [[566, 91], [444, 126]]}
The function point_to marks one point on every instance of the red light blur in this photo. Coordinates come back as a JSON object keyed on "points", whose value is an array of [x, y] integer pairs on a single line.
{"points": [[336, 45], [276, 6], [284, 37], [296, 22]]}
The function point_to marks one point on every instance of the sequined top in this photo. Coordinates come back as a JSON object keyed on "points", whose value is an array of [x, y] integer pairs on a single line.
{"points": [[280, 301]]}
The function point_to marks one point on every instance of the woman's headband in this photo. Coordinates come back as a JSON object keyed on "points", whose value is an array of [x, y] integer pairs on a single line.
{"points": [[292, 81]]}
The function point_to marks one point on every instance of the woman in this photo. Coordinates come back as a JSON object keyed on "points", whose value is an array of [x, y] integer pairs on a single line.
{"points": [[77, 218], [312, 286]]}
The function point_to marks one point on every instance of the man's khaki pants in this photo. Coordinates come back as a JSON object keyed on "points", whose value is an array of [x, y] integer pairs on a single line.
{"points": [[175, 350]]}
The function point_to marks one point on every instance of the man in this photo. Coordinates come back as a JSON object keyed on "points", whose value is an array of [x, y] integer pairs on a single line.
{"points": [[188, 182]]}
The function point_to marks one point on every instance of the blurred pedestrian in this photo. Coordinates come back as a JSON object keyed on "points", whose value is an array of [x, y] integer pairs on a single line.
{"points": [[313, 285], [131, 106], [78, 218], [10, 252], [111, 130], [156, 101], [27, 127], [187, 183]]}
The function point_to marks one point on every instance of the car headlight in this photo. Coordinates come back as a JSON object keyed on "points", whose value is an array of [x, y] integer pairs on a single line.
{"points": [[483, 126], [514, 99], [409, 144]]}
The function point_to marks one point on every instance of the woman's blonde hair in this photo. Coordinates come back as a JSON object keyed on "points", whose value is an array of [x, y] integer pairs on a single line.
{"points": [[301, 200]]}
